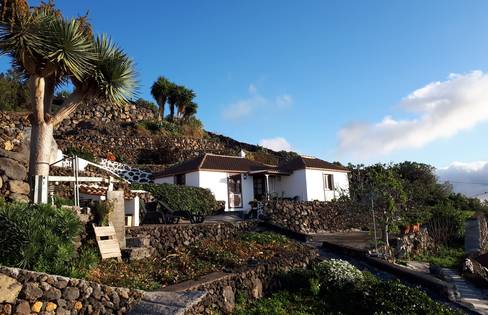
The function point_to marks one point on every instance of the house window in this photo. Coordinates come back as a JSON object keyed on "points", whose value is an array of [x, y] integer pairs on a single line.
{"points": [[328, 182], [180, 179]]}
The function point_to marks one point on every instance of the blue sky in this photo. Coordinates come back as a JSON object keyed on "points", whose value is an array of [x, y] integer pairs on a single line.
{"points": [[305, 70]]}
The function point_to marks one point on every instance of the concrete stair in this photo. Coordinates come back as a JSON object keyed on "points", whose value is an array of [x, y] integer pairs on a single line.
{"points": [[167, 303], [137, 248]]}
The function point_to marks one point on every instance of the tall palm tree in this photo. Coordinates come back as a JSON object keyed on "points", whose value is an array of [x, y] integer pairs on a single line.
{"points": [[160, 90], [184, 97], [173, 95], [190, 110], [50, 50]]}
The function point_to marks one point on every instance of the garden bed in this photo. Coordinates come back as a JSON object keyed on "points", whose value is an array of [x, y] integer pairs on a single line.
{"points": [[206, 256]]}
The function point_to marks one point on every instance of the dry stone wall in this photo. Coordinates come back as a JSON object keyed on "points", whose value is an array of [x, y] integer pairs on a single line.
{"points": [[26, 292], [13, 156], [316, 216], [253, 282], [168, 238]]}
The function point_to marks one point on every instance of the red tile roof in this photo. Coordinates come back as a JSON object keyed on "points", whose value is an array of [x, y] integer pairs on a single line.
{"points": [[226, 163]]}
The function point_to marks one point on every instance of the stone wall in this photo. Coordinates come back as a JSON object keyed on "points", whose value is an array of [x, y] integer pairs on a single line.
{"points": [[253, 282], [13, 156], [105, 112], [168, 238], [316, 216], [28, 292]]}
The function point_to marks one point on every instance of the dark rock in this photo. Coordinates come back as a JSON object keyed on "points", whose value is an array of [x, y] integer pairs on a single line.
{"points": [[71, 293], [32, 291], [13, 169]]}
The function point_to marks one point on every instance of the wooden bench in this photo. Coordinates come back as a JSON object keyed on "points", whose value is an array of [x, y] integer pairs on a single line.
{"points": [[107, 241]]}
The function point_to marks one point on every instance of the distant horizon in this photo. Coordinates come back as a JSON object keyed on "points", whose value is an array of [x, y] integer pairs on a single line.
{"points": [[346, 81]]}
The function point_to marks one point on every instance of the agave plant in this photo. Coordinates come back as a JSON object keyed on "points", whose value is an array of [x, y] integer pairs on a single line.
{"points": [[49, 50], [160, 90]]}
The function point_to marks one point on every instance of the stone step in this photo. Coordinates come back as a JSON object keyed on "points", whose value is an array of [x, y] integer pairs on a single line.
{"points": [[140, 241], [137, 253], [167, 303]]}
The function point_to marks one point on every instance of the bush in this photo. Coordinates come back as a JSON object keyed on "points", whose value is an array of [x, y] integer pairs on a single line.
{"points": [[41, 235], [182, 198], [81, 153], [447, 224], [447, 257], [336, 274], [193, 127]]}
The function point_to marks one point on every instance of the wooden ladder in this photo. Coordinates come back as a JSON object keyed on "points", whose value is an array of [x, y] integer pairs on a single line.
{"points": [[107, 241]]}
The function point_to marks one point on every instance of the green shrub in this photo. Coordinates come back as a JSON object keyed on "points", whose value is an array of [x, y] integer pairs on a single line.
{"points": [[336, 274], [447, 224], [447, 257], [103, 209], [46, 233], [192, 127], [81, 153], [182, 198], [88, 258]]}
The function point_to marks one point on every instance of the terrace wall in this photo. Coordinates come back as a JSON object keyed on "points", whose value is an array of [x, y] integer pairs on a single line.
{"points": [[253, 282], [26, 292], [309, 217], [168, 238]]}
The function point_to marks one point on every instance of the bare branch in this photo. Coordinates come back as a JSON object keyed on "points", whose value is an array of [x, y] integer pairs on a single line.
{"points": [[69, 106]]}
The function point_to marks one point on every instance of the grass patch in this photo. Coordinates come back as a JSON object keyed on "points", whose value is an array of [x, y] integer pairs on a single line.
{"points": [[447, 257]]}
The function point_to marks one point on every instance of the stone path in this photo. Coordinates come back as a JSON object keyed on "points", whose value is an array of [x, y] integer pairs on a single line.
{"points": [[166, 303], [469, 295]]}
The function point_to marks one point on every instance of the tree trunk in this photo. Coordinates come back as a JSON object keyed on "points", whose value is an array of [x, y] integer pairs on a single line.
{"points": [[41, 131], [40, 149], [172, 111], [162, 104]]}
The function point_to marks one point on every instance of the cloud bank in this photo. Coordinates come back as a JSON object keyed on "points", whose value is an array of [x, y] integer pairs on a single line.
{"points": [[442, 110], [255, 101], [470, 178], [276, 144]]}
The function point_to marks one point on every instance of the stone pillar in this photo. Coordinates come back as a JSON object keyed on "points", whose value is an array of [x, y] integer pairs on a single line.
{"points": [[472, 236], [117, 217]]}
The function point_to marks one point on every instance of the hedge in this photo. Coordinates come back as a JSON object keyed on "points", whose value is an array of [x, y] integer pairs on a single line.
{"points": [[182, 198]]}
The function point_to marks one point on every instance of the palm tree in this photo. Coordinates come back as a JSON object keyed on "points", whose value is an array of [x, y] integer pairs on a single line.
{"points": [[50, 50], [185, 97], [160, 90], [173, 95], [190, 110]]}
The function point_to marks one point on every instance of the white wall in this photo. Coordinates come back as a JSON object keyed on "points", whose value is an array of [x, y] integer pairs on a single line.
{"points": [[165, 180], [217, 183], [293, 185], [315, 185], [132, 208], [192, 179]]}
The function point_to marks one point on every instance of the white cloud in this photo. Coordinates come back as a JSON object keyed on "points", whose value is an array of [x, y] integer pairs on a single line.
{"points": [[246, 107], [276, 144], [442, 110], [469, 178]]}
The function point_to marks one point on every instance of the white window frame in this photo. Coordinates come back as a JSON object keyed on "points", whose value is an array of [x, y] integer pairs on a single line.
{"points": [[325, 178]]}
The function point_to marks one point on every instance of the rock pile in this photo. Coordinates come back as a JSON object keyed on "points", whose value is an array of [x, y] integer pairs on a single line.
{"points": [[316, 216]]}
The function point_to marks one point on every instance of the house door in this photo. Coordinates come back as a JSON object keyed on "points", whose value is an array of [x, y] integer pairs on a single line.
{"points": [[234, 186], [259, 184]]}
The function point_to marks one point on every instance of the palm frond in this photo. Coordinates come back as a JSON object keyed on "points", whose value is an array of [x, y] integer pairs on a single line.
{"points": [[69, 49], [25, 39], [115, 74]]}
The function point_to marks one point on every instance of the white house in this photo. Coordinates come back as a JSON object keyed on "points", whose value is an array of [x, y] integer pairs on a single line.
{"points": [[237, 180]]}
